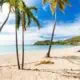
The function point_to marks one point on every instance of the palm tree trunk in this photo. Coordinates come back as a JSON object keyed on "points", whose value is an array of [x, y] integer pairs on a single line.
{"points": [[5, 20], [52, 37], [17, 55], [23, 26], [22, 48]]}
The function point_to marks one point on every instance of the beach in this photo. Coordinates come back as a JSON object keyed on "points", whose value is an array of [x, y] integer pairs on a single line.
{"points": [[66, 65]]}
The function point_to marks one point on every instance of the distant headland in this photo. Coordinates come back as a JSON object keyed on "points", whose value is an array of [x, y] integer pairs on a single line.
{"points": [[70, 41]]}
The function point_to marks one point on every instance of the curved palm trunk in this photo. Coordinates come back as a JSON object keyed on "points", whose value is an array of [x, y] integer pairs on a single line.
{"points": [[52, 37], [17, 55], [5, 20]]}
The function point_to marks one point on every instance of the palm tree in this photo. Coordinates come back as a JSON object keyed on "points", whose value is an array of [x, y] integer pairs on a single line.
{"points": [[27, 12], [17, 17], [54, 4], [21, 12]]}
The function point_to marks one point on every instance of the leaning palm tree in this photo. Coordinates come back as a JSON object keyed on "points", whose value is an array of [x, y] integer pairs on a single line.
{"points": [[54, 4], [17, 16]]}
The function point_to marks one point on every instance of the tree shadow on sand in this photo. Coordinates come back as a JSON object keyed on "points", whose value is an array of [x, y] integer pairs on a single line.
{"points": [[69, 73], [72, 73]]}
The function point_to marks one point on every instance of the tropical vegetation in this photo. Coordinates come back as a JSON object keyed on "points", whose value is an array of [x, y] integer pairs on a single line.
{"points": [[70, 41], [23, 15]]}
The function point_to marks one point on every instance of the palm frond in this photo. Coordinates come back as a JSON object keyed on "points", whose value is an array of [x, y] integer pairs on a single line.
{"points": [[30, 15], [33, 8], [28, 19], [35, 20], [61, 5], [55, 3], [53, 6]]}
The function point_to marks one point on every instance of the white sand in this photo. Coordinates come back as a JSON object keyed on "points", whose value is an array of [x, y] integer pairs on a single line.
{"points": [[66, 66]]}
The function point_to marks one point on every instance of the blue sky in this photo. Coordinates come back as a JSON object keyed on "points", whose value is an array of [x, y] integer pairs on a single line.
{"points": [[68, 23], [69, 15]]}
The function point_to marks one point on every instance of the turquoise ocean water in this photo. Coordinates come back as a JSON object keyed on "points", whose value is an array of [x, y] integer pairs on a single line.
{"points": [[10, 49]]}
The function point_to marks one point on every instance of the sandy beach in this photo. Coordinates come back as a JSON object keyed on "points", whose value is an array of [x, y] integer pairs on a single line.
{"points": [[66, 66]]}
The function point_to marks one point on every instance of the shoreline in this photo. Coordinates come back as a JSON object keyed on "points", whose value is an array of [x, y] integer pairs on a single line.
{"points": [[60, 47], [54, 52], [66, 66]]}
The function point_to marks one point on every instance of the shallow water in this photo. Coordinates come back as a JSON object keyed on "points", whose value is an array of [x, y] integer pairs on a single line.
{"points": [[7, 49]]}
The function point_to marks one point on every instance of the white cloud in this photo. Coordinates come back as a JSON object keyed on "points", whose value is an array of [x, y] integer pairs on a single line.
{"points": [[7, 36], [33, 34], [71, 29]]}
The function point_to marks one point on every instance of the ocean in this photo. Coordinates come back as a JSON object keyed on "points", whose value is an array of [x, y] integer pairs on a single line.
{"points": [[10, 49]]}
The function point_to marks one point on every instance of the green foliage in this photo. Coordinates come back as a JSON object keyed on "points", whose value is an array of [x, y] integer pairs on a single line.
{"points": [[30, 16], [19, 7], [56, 3], [33, 8], [74, 40], [71, 41], [61, 5]]}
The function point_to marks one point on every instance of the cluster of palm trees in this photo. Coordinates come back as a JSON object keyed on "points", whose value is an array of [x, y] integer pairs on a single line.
{"points": [[24, 15]]}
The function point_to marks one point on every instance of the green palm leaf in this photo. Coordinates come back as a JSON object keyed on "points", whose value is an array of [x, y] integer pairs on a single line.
{"points": [[33, 8], [55, 3], [53, 6], [30, 15], [36, 20], [61, 5], [28, 19]]}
